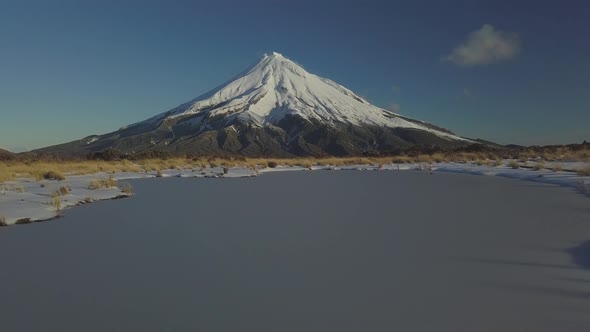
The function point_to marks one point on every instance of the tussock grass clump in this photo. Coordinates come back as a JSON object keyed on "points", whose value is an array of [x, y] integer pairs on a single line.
{"points": [[159, 174], [539, 166], [56, 200], [584, 171], [514, 164], [65, 190], [54, 175], [557, 168], [102, 183], [3, 221], [126, 188], [272, 164]]}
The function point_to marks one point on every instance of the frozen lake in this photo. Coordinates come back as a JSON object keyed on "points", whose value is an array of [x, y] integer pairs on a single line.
{"points": [[307, 251]]}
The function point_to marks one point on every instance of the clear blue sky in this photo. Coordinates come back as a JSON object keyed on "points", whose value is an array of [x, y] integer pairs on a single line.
{"points": [[69, 69]]}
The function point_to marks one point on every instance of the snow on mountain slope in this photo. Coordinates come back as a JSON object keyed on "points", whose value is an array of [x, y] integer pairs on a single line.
{"points": [[274, 108], [276, 87]]}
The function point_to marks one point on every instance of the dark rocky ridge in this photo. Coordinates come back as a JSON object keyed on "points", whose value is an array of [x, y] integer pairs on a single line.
{"points": [[292, 136], [6, 155]]}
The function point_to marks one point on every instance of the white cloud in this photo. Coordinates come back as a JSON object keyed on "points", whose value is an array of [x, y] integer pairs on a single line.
{"points": [[484, 46]]}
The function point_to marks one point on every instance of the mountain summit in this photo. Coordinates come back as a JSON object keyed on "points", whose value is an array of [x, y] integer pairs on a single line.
{"points": [[273, 108]]}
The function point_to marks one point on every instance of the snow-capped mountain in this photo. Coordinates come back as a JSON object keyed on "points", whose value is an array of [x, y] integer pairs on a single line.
{"points": [[274, 108]]}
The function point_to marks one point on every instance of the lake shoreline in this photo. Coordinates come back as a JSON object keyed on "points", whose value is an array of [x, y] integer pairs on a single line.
{"points": [[32, 200]]}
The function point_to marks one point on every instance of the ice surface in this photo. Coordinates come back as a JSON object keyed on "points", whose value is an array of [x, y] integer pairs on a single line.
{"points": [[34, 201]]}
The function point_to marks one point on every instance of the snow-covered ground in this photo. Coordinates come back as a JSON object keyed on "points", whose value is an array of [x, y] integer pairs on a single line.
{"points": [[27, 200]]}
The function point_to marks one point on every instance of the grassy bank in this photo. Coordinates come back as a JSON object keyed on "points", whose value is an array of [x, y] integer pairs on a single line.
{"points": [[52, 168]]}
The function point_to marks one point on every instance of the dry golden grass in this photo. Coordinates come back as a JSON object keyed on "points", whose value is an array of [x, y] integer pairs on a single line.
{"points": [[54, 175], [401, 160], [126, 188], [9, 170], [65, 190], [514, 164], [40, 169], [110, 182], [539, 166], [56, 200], [557, 168]]}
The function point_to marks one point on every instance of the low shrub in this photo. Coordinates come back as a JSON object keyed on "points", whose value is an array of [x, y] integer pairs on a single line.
{"points": [[539, 166], [3, 221], [271, 164], [225, 170]]}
